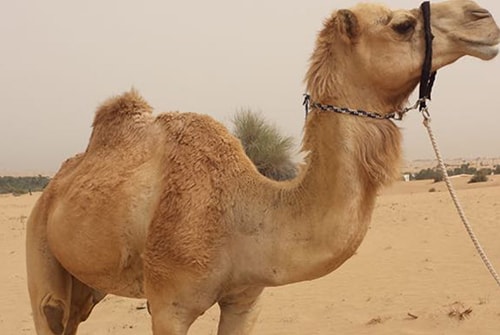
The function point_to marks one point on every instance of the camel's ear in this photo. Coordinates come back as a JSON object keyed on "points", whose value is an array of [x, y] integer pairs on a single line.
{"points": [[348, 23]]}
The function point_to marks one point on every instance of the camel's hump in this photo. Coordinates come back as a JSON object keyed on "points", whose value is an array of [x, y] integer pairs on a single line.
{"points": [[124, 106]]}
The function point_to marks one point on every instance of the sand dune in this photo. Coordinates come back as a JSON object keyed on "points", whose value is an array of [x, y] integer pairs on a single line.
{"points": [[415, 273]]}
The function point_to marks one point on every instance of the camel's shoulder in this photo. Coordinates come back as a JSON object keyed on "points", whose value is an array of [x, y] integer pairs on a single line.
{"points": [[193, 139]]}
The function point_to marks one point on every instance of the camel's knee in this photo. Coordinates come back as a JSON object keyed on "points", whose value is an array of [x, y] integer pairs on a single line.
{"points": [[247, 309], [55, 314], [174, 315], [242, 301], [239, 312]]}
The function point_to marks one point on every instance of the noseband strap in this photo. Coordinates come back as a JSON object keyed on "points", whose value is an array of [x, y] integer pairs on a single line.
{"points": [[427, 77]]}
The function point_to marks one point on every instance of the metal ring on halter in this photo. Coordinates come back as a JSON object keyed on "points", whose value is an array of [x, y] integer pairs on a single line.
{"points": [[425, 113]]}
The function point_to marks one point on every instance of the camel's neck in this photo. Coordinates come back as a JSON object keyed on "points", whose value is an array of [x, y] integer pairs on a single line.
{"points": [[317, 221], [329, 207], [366, 148]]}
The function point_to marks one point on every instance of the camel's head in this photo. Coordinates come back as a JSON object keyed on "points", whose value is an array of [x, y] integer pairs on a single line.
{"points": [[374, 46]]}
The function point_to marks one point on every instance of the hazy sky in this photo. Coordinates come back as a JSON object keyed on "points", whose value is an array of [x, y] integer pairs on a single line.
{"points": [[60, 59]]}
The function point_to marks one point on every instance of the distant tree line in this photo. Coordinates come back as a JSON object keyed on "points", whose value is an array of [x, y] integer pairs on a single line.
{"points": [[477, 175], [22, 185]]}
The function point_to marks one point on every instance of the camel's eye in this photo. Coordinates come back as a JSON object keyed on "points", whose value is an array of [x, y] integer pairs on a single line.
{"points": [[404, 27]]}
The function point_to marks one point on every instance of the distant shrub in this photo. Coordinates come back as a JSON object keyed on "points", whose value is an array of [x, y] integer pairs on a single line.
{"points": [[439, 176], [432, 190], [428, 174], [479, 176], [486, 171]]}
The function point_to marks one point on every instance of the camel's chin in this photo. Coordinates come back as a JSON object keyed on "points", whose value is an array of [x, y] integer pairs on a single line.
{"points": [[483, 49], [485, 52]]}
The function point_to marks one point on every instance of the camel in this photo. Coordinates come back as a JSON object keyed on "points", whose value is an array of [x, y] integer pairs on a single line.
{"points": [[169, 208]]}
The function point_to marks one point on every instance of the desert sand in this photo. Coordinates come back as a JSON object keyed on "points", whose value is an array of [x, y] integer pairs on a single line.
{"points": [[415, 273]]}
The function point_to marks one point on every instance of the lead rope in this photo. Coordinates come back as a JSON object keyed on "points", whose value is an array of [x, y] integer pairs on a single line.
{"points": [[426, 83], [454, 197]]}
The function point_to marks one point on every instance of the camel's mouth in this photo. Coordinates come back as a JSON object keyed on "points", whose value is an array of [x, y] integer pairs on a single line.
{"points": [[484, 49], [479, 34], [482, 45]]}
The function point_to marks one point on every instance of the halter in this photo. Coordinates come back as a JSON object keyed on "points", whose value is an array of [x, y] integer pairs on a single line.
{"points": [[427, 78]]}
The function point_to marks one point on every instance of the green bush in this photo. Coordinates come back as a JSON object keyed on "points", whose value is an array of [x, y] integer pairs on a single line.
{"points": [[264, 145], [439, 176], [478, 177], [433, 174]]}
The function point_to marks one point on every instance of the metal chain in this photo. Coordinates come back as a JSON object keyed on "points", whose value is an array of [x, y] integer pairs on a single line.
{"points": [[461, 213], [359, 112]]}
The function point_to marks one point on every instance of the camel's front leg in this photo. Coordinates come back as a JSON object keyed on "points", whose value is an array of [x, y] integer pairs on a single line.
{"points": [[175, 305], [171, 318], [239, 312]]}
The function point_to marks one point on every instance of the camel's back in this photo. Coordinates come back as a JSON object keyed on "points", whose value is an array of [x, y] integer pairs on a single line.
{"points": [[136, 170]]}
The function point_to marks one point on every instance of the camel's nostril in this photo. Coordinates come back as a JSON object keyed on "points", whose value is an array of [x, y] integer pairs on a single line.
{"points": [[480, 14]]}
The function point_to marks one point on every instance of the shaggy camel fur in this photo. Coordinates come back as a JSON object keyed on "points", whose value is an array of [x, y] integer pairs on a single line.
{"points": [[170, 209]]}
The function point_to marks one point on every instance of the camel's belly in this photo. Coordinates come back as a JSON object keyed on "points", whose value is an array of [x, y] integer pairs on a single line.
{"points": [[103, 274], [100, 254], [127, 282]]}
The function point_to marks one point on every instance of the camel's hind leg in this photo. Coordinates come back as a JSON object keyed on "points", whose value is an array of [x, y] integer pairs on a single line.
{"points": [[48, 283], [83, 300], [58, 300]]}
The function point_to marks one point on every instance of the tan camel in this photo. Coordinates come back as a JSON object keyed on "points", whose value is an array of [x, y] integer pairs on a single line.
{"points": [[170, 209]]}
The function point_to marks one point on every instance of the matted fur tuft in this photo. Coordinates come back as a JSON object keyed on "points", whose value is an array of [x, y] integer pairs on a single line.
{"points": [[120, 120], [124, 106]]}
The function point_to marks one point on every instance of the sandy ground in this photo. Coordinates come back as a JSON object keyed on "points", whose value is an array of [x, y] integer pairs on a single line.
{"points": [[416, 273]]}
